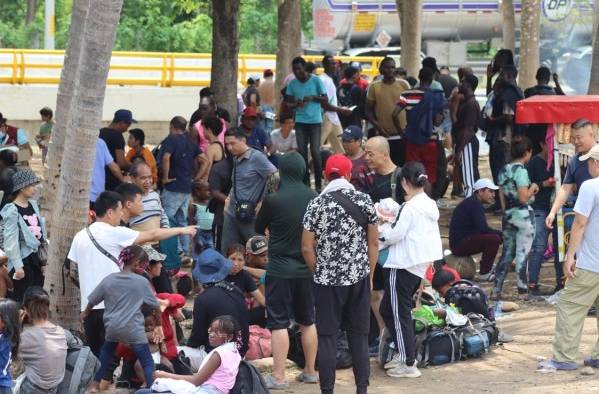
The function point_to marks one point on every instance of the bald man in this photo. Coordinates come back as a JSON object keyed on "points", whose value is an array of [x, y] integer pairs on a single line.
{"points": [[383, 184]]}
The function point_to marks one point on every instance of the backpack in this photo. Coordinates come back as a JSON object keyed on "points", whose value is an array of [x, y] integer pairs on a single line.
{"points": [[249, 380], [477, 336], [469, 298], [259, 343], [437, 346], [424, 116], [296, 352], [81, 366]]}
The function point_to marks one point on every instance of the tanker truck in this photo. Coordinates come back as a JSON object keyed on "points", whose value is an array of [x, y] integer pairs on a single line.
{"points": [[343, 24]]}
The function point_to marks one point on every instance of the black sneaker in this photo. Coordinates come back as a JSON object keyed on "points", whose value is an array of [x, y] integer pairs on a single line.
{"points": [[592, 311]]}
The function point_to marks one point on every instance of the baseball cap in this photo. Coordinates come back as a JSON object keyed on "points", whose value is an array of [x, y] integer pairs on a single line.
{"points": [[256, 245], [352, 133], [485, 183], [338, 164], [124, 115], [592, 154], [250, 112]]}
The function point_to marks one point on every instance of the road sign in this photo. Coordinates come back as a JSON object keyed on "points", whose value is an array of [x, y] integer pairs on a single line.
{"points": [[383, 39]]}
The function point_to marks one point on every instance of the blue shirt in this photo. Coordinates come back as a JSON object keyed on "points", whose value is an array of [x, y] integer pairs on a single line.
{"points": [[577, 172], [183, 155], [311, 112], [103, 158], [5, 353], [259, 139]]}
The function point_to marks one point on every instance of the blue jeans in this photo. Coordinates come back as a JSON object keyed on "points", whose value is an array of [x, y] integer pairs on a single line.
{"points": [[539, 245], [176, 206], [305, 134], [264, 122], [203, 240], [141, 350]]}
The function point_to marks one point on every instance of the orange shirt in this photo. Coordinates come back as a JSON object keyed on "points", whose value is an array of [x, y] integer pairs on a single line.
{"points": [[148, 158]]}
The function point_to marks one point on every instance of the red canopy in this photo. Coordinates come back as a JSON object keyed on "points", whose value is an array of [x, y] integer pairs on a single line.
{"points": [[557, 109]]}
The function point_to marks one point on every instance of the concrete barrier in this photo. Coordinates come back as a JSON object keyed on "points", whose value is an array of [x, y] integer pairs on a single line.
{"points": [[153, 107]]}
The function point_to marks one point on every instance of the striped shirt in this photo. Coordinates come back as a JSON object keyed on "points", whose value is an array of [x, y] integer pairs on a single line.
{"points": [[152, 208], [410, 98]]}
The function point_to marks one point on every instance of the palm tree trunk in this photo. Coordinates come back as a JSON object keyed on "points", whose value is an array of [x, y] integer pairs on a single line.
{"points": [[509, 25], [72, 200], [410, 19], [594, 84], [225, 50], [289, 39], [63, 105], [529, 42]]}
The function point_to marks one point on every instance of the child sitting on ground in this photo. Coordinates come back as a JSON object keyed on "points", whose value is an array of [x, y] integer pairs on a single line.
{"points": [[123, 294], [200, 216], [219, 369], [242, 278]]}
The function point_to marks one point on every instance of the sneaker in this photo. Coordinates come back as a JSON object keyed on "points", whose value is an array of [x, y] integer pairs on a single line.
{"points": [[504, 337], [394, 363], [488, 277], [592, 311], [591, 362], [306, 378], [404, 371], [549, 366], [535, 290], [272, 384]]}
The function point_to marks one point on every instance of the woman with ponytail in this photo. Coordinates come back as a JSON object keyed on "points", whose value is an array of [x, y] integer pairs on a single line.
{"points": [[414, 242]]}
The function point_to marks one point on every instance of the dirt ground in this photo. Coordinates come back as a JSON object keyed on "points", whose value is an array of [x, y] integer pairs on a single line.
{"points": [[509, 368]]}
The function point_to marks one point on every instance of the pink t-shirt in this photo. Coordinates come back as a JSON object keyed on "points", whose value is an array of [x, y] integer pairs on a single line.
{"points": [[224, 376], [203, 141]]}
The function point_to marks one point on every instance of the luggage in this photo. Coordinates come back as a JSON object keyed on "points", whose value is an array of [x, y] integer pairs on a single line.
{"points": [[81, 366], [469, 298], [249, 380], [259, 343], [436, 346], [477, 336]]}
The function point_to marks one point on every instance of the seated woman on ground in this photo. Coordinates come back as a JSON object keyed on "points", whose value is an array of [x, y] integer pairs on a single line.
{"points": [[219, 369]]}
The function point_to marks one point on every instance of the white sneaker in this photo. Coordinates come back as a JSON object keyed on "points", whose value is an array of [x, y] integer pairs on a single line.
{"points": [[404, 371], [394, 363]]}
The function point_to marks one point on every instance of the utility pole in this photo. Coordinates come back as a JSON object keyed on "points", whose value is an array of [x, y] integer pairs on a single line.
{"points": [[49, 25]]}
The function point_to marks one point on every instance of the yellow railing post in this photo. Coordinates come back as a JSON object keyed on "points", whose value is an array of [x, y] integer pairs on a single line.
{"points": [[163, 74], [14, 68], [22, 78], [244, 76], [172, 69]]}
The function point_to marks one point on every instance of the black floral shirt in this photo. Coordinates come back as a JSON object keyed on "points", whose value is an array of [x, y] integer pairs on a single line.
{"points": [[341, 244]]}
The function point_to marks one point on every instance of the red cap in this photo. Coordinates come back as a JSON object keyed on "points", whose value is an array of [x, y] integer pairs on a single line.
{"points": [[250, 112], [338, 164]]}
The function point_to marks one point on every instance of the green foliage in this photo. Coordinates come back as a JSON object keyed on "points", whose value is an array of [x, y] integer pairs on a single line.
{"points": [[155, 25]]}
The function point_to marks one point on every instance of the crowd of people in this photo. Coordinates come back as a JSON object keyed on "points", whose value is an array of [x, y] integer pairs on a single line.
{"points": [[273, 244]]}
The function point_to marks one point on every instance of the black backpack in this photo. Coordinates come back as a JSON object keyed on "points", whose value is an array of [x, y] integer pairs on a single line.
{"points": [[469, 298], [249, 380], [296, 352], [437, 346]]}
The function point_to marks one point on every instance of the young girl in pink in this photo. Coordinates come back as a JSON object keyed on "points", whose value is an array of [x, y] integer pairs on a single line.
{"points": [[219, 369]]}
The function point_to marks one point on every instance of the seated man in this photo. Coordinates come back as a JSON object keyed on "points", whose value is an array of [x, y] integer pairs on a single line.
{"points": [[469, 232], [11, 136]]}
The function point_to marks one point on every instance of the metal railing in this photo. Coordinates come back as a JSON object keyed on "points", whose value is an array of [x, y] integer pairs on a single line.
{"points": [[162, 69]]}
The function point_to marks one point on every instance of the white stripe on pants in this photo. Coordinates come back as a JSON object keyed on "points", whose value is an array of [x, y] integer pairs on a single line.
{"points": [[467, 165], [394, 306]]}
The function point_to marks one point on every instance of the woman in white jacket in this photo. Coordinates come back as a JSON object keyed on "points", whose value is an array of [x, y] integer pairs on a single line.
{"points": [[414, 242]]}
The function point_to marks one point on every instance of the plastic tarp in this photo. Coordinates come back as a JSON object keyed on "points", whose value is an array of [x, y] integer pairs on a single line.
{"points": [[557, 109]]}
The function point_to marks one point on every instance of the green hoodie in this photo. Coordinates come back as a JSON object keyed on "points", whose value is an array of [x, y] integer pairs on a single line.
{"points": [[282, 213]]}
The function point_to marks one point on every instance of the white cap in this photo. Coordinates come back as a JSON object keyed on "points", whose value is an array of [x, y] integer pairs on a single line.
{"points": [[592, 154], [485, 183]]}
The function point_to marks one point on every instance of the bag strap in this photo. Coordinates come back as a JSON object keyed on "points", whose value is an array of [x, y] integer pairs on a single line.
{"points": [[394, 176], [351, 209], [101, 249]]}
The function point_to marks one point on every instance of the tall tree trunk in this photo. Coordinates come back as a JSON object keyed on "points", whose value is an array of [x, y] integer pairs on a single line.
{"points": [[289, 39], [509, 25], [529, 42], [30, 13], [72, 203], [410, 19], [225, 50], [594, 84], [63, 105]]}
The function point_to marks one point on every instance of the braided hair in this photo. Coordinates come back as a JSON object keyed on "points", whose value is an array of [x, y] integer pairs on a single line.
{"points": [[132, 254], [230, 326]]}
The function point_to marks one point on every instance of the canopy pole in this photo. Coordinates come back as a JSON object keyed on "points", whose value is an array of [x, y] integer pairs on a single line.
{"points": [[557, 175]]}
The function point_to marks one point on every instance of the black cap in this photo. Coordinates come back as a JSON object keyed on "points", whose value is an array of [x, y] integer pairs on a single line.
{"points": [[352, 133]]}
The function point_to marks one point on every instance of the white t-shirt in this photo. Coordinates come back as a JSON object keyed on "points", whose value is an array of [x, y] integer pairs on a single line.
{"points": [[329, 86], [587, 256], [92, 265], [283, 145]]}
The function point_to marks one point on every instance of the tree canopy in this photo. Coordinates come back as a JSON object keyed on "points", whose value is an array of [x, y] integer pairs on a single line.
{"points": [[153, 25]]}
